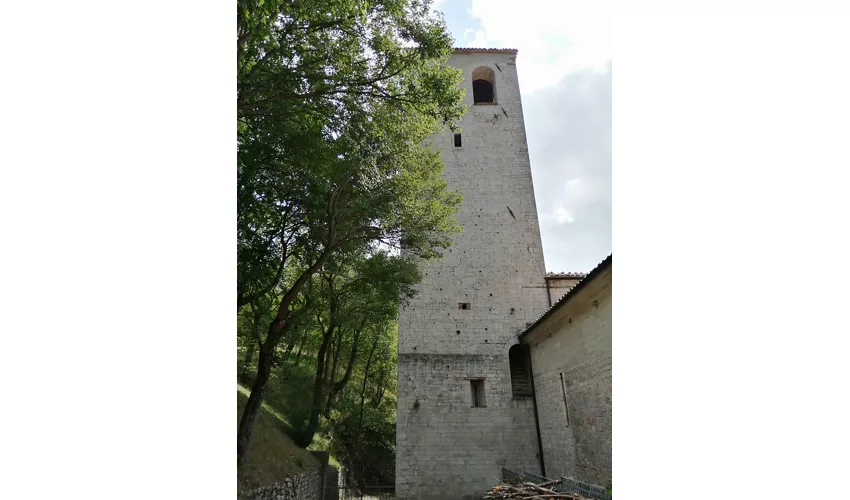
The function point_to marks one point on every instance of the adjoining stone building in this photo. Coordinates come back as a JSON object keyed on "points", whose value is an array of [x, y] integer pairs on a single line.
{"points": [[558, 284], [570, 349], [466, 405]]}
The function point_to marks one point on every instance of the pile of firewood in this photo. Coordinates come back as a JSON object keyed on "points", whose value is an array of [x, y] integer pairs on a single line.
{"points": [[527, 491]]}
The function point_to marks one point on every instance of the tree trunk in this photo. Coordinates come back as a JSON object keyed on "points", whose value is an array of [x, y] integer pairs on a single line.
{"points": [[363, 387], [380, 392], [288, 349], [300, 348], [254, 340], [252, 408], [288, 368], [304, 438], [331, 383], [339, 386], [246, 365], [266, 359], [249, 353], [328, 356]]}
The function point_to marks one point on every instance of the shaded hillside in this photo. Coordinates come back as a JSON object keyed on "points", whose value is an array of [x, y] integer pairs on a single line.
{"points": [[273, 455]]}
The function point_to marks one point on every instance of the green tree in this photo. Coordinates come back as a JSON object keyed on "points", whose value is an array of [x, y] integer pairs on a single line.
{"points": [[361, 295], [363, 430], [316, 56], [335, 100]]}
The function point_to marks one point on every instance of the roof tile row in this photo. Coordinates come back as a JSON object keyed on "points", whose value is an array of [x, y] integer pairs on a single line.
{"points": [[483, 49], [570, 293], [568, 274]]}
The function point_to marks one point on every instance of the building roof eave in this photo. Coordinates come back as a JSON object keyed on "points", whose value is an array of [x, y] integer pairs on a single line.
{"points": [[568, 275], [482, 50], [572, 292]]}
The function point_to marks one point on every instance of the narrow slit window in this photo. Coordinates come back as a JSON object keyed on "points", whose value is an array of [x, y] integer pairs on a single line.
{"points": [[520, 372], [564, 395], [458, 141], [478, 397]]}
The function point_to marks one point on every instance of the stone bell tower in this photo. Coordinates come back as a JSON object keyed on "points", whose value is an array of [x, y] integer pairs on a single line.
{"points": [[460, 418]]}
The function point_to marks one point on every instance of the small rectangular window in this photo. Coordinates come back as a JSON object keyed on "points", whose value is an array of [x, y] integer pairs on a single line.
{"points": [[564, 395], [478, 397], [464, 306], [458, 142]]}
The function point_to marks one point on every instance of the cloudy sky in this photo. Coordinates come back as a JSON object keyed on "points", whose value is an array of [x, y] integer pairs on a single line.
{"points": [[564, 66]]}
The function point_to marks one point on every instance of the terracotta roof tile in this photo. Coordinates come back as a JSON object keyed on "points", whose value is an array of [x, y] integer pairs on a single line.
{"points": [[568, 274], [482, 49], [570, 293]]}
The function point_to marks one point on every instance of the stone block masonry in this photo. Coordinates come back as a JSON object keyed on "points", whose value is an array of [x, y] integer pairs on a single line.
{"points": [[310, 484], [307, 485], [471, 305], [448, 448], [574, 345]]}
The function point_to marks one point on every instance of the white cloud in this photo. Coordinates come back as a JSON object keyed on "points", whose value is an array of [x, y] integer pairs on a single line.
{"points": [[564, 68], [562, 215], [554, 37], [569, 141]]}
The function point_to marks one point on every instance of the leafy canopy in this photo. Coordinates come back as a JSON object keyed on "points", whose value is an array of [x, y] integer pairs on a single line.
{"points": [[335, 102]]}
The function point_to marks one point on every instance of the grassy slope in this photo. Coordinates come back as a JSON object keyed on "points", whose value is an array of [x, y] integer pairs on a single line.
{"points": [[290, 399], [273, 454]]}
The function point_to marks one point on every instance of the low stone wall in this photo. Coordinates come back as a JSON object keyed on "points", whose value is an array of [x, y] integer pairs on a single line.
{"points": [[331, 483], [308, 485], [304, 486]]}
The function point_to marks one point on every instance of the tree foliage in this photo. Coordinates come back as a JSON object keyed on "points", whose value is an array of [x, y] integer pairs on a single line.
{"points": [[346, 377], [321, 57], [335, 102]]}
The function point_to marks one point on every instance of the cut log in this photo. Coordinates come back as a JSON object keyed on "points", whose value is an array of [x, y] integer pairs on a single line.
{"points": [[529, 491]]}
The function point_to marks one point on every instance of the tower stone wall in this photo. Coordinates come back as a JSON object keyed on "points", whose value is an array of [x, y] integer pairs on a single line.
{"points": [[472, 305]]}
